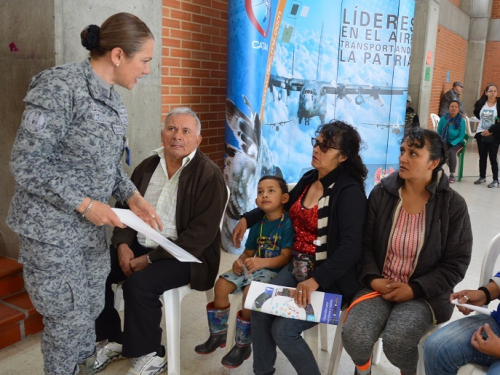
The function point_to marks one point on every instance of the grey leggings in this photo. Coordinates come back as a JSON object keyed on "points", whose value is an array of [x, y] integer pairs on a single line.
{"points": [[452, 156], [403, 325]]}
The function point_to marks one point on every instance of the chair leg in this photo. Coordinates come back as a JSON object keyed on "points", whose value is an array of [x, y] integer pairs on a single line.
{"points": [[377, 351], [337, 347], [235, 300], [118, 296], [172, 304], [311, 337], [460, 165], [323, 335]]}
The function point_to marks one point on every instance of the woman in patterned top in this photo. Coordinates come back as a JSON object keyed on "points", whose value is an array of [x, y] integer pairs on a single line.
{"points": [[327, 208], [417, 245]]}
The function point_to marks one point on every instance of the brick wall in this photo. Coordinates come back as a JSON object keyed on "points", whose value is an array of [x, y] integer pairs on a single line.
{"points": [[451, 54], [194, 65], [495, 9], [491, 68]]}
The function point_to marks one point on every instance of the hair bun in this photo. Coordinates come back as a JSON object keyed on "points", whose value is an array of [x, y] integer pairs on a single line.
{"points": [[92, 39]]}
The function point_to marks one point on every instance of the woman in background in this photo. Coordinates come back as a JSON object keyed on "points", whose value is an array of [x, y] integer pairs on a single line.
{"points": [[487, 135], [451, 128]]}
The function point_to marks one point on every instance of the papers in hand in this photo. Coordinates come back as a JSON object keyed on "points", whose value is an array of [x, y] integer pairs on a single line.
{"points": [[482, 310], [130, 219]]}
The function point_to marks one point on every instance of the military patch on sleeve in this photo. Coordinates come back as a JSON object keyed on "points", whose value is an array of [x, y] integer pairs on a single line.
{"points": [[35, 121]]}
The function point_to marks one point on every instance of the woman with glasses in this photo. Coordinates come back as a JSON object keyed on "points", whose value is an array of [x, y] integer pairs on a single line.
{"points": [[417, 245], [487, 109], [327, 209]]}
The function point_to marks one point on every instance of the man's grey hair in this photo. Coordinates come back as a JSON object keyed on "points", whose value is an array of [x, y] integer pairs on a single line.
{"points": [[183, 111]]}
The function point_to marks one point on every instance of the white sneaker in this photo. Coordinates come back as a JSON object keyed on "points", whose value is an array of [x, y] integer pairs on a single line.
{"points": [[149, 364], [107, 354]]}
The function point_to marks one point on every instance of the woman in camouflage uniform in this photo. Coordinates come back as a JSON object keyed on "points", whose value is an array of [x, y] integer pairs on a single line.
{"points": [[67, 164]]}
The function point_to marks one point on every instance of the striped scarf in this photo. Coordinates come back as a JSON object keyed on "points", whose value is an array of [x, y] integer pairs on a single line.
{"points": [[323, 213]]}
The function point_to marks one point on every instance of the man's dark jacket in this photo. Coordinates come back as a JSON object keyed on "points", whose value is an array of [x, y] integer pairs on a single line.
{"points": [[201, 198]]}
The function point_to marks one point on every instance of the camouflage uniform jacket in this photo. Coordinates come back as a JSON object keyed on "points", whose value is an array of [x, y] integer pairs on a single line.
{"points": [[69, 146], [447, 99]]}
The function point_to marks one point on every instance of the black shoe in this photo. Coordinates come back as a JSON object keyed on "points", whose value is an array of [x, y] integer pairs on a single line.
{"points": [[236, 356], [213, 342]]}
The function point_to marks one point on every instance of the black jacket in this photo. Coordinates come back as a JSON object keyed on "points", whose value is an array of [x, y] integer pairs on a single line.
{"points": [[446, 250], [339, 272]]}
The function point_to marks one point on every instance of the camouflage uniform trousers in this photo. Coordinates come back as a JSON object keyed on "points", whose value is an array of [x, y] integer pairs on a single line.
{"points": [[66, 286]]}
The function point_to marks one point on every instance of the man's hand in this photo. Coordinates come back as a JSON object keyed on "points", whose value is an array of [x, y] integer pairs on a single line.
{"points": [[399, 292], [239, 231], [125, 255], [139, 263], [489, 345], [145, 211]]}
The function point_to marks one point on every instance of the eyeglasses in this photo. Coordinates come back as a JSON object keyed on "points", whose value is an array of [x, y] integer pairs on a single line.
{"points": [[322, 146]]}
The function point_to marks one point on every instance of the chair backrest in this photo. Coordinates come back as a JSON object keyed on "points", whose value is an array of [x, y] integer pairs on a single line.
{"points": [[435, 121], [489, 260], [467, 126], [225, 206]]}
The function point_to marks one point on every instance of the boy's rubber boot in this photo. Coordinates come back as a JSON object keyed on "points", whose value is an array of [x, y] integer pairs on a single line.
{"points": [[217, 323], [242, 349]]}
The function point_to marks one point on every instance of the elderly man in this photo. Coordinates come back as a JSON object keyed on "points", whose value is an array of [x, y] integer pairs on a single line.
{"points": [[189, 194], [453, 94]]}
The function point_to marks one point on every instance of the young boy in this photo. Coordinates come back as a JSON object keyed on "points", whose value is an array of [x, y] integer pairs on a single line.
{"points": [[267, 250]]}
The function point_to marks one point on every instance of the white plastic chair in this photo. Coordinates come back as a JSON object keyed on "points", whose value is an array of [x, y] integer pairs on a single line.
{"points": [[487, 271], [377, 349], [467, 127], [172, 301], [435, 121]]}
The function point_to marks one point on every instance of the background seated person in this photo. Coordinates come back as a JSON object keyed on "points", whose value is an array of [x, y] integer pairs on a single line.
{"points": [[411, 118], [188, 191], [475, 339], [417, 245], [449, 96], [451, 128]]}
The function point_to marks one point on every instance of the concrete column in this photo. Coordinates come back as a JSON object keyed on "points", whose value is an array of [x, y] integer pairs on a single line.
{"points": [[479, 12], [424, 40], [47, 33]]}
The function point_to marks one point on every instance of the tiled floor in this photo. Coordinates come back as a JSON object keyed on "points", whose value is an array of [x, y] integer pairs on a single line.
{"points": [[25, 358]]}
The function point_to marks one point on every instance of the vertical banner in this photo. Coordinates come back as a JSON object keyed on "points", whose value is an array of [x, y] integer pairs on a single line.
{"points": [[293, 65]]}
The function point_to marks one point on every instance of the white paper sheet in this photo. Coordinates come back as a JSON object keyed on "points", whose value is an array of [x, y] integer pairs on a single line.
{"points": [[130, 219], [482, 310]]}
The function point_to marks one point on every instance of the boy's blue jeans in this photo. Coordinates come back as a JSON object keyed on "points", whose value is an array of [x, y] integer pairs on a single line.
{"points": [[450, 347], [269, 331]]}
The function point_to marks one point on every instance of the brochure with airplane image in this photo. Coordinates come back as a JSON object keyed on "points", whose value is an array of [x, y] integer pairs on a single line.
{"points": [[279, 300]]}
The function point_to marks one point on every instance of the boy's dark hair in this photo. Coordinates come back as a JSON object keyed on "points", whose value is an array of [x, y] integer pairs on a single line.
{"points": [[281, 182]]}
